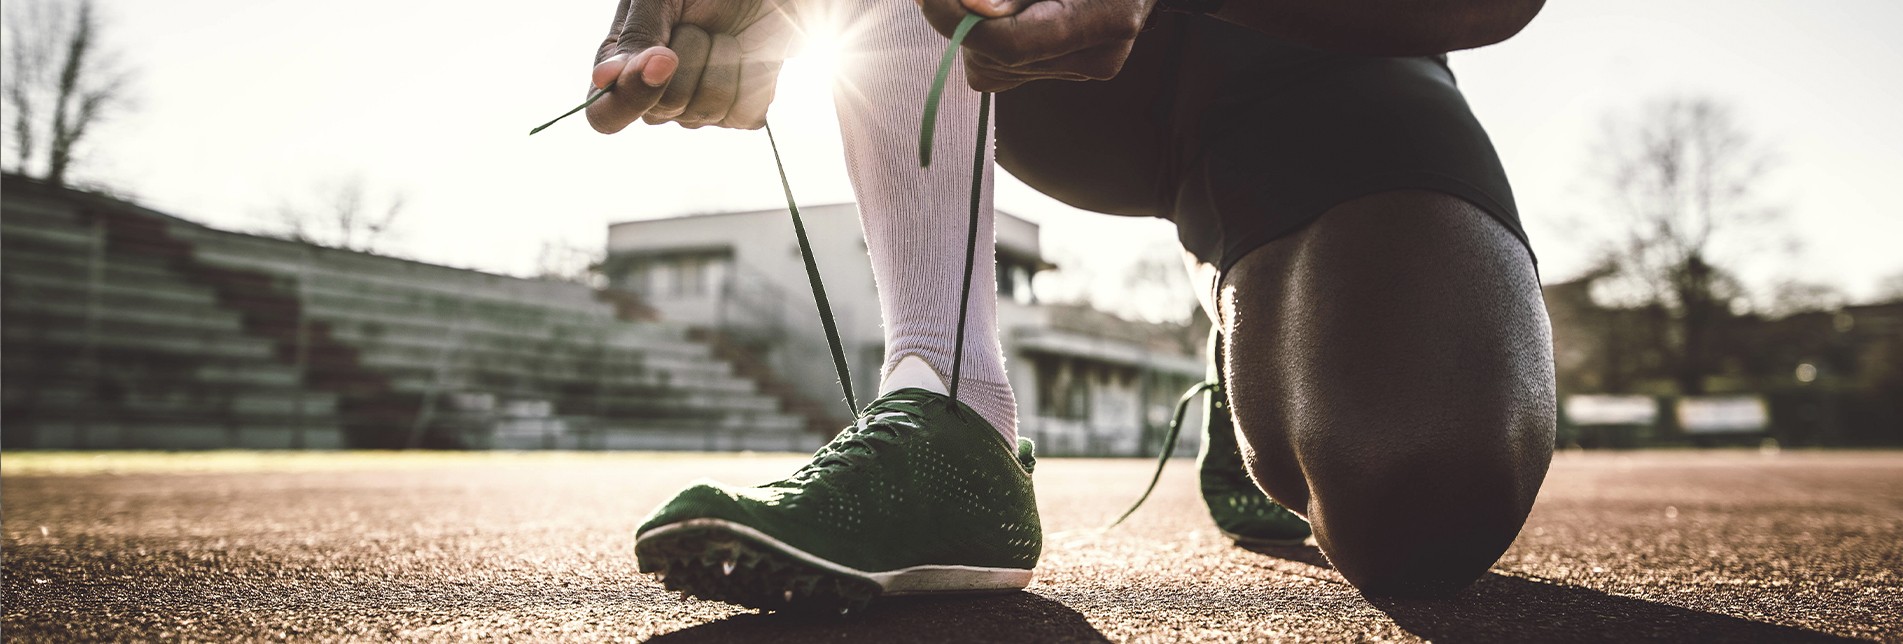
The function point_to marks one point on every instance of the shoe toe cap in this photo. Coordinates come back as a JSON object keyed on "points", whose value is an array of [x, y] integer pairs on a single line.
{"points": [[703, 499]]}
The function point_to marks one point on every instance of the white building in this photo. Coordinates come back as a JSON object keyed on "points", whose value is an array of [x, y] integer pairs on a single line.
{"points": [[1087, 383]]}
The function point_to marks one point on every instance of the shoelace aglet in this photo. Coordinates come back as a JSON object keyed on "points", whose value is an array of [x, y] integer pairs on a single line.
{"points": [[584, 105]]}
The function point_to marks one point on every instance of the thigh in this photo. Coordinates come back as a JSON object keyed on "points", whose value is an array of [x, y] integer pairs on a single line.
{"points": [[1390, 369], [1398, 323]]}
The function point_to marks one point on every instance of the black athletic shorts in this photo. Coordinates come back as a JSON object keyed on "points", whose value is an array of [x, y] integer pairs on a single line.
{"points": [[1241, 139]]}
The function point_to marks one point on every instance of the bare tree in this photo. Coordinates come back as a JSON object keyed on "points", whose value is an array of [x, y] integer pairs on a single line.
{"points": [[61, 81], [1890, 289], [1686, 179], [1154, 287], [1793, 296], [343, 214], [563, 261]]}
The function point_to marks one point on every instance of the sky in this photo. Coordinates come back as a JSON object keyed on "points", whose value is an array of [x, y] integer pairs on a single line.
{"points": [[247, 105]]}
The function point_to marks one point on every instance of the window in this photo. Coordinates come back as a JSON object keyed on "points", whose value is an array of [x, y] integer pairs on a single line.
{"points": [[697, 273], [1063, 388], [1014, 280]]}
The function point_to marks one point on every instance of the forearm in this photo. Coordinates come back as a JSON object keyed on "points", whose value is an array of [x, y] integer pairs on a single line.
{"points": [[1384, 27]]}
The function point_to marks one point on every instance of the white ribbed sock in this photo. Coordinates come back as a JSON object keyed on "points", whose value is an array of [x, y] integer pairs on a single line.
{"points": [[916, 218]]}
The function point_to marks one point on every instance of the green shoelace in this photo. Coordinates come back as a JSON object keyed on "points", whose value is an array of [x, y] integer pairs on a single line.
{"points": [[927, 126]]}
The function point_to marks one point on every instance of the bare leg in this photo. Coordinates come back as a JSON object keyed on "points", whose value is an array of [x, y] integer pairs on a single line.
{"points": [[1391, 372]]}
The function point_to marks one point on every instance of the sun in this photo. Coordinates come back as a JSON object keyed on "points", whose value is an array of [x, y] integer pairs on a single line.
{"points": [[823, 50], [827, 44]]}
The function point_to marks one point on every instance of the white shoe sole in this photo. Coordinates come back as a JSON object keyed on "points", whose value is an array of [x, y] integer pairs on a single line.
{"points": [[913, 580]]}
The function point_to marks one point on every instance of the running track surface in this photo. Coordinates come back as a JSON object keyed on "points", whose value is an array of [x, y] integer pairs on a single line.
{"points": [[1678, 546]]}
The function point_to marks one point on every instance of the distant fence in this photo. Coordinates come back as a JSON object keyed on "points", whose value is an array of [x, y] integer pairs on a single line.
{"points": [[1793, 418]]}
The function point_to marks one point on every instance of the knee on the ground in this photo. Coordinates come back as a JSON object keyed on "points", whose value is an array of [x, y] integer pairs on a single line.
{"points": [[1421, 524]]}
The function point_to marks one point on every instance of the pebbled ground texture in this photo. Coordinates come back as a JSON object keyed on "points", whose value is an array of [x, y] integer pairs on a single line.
{"points": [[1671, 546]]}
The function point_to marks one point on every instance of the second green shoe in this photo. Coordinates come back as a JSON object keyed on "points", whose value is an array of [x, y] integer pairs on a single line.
{"points": [[1241, 510], [919, 496]]}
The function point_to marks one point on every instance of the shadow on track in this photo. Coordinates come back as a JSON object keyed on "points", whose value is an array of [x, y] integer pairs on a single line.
{"points": [[1012, 617], [1502, 608]]}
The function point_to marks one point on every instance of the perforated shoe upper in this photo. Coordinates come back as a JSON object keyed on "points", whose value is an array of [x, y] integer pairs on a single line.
{"points": [[918, 479]]}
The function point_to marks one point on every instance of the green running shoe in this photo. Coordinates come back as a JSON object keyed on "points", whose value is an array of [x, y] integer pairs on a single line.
{"points": [[1241, 510], [919, 496]]}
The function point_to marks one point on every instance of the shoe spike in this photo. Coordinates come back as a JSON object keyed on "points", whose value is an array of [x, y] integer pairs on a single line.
{"points": [[726, 567]]}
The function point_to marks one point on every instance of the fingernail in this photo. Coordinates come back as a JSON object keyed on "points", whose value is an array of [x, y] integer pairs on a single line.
{"points": [[606, 71], [659, 69]]}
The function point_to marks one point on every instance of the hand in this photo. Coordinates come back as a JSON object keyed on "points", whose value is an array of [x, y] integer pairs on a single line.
{"points": [[693, 62], [1027, 40]]}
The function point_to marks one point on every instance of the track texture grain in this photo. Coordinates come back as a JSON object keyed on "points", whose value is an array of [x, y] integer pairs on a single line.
{"points": [[1681, 546]]}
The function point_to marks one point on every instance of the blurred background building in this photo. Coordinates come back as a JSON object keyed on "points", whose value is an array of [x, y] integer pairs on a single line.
{"points": [[1831, 375]]}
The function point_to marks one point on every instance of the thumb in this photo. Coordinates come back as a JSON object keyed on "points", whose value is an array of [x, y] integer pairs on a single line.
{"points": [[639, 66]]}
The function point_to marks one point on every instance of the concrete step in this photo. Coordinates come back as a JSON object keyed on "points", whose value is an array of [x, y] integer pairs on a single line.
{"points": [[563, 373], [426, 330], [75, 281], [195, 401], [37, 362], [329, 268], [67, 287], [541, 352], [585, 396], [173, 435], [41, 214], [139, 337], [432, 351], [664, 439], [192, 317], [421, 376], [76, 240], [24, 254]]}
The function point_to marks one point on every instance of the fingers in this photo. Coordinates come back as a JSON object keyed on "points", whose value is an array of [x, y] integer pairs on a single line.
{"points": [[645, 24], [636, 60], [943, 14], [1047, 30], [719, 85], [1103, 62], [692, 44], [720, 70], [638, 85], [757, 83]]}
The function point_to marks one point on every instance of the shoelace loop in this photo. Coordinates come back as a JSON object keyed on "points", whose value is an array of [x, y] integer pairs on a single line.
{"points": [[1169, 442], [880, 424]]}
